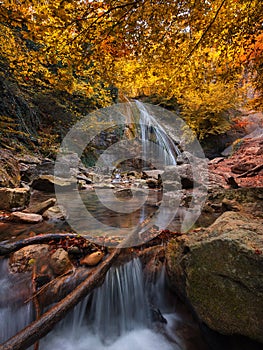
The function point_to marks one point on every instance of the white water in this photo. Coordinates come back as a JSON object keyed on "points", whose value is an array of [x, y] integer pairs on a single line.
{"points": [[116, 316], [156, 144], [14, 315]]}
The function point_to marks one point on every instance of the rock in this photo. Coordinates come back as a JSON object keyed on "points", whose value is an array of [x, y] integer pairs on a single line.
{"points": [[28, 172], [40, 208], [92, 259], [9, 170], [189, 175], [171, 186], [123, 193], [55, 213], [47, 183], [154, 174], [28, 159], [242, 167], [24, 258], [59, 262], [14, 198], [219, 272], [153, 183], [157, 316], [104, 186], [230, 205], [82, 177], [28, 167], [28, 218], [46, 167], [67, 163], [245, 156]]}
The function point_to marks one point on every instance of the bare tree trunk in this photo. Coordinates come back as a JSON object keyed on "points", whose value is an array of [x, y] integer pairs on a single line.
{"points": [[8, 248], [39, 328]]}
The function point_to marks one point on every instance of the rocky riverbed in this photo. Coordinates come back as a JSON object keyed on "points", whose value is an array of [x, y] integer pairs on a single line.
{"points": [[216, 267]]}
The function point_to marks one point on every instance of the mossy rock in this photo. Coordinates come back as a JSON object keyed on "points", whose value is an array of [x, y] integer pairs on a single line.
{"points": [[219, 272]]}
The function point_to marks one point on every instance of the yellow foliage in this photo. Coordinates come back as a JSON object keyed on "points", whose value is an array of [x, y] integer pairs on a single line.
{"points": [[206, 111]]}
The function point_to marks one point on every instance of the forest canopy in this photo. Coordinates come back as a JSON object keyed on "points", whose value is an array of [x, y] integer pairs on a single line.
{"points": [[190, 51]]}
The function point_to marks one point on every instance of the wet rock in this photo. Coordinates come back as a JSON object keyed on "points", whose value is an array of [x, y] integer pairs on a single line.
{"points": [[40, 208], [55, 213], [9, 170], [157, 316], [14, 198], [219, 272], [47, 183], [28, 218], [92, 259], [25, 258], [60, 262]]}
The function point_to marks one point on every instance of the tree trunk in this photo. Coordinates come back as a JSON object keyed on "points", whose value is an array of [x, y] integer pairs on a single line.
{"points": [[39, 328], [8, 248]]}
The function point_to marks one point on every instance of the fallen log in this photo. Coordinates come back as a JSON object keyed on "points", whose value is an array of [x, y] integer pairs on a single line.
{"points": [[39, 328], [8, 248]]}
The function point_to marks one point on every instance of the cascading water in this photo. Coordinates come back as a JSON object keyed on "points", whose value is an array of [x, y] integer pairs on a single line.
{"points": [[14, 313], [156, 144], [115, 316]]}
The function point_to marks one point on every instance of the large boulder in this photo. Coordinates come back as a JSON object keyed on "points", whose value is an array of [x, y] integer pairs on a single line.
{"points": [[219, 272], [14, 198]]}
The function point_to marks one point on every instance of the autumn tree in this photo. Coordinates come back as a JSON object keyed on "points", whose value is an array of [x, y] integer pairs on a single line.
{"points": [[143, 47]]}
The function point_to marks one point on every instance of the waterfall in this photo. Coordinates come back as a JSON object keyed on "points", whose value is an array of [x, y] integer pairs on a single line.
{"points": [[156, 144]]}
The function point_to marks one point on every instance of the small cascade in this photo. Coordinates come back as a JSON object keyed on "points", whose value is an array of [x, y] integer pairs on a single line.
{"points": [[116, 316], [14, 313], [120, 304]]}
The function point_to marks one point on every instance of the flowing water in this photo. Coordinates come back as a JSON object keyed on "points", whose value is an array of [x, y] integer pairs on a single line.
{"points": [[118, 316], [156, 144], [14, 313]]}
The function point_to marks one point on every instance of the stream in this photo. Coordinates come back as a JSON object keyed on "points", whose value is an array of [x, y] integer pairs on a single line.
{"points": [[121, 314]]}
